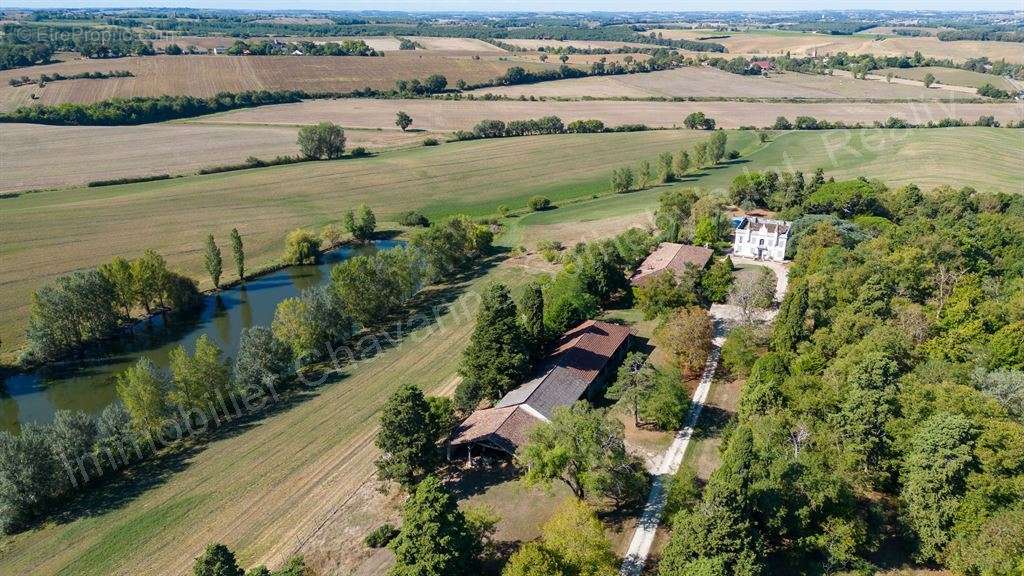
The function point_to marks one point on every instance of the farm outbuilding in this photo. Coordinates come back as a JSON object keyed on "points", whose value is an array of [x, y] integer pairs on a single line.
{"points": [[578, 367], [673, 257]]}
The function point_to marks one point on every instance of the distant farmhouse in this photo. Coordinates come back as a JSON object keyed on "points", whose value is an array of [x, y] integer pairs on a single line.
{"points": [[761, 238], [580, 365], [674, 257]]}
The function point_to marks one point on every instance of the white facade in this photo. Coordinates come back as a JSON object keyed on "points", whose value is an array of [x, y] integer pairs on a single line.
{"points": [[761, 238]]}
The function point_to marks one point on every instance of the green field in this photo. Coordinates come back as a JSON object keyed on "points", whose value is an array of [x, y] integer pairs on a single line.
{"points": [[985, 158], [950, 76], [300, 480], [48, 233]]}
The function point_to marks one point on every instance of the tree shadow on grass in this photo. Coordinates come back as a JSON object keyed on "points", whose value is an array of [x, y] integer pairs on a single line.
{"points": [[125, 485], [712, 422], [485, 474], [119, 488]]}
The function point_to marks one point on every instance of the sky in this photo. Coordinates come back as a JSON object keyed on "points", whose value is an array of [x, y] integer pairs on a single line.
{"points": [[535, 5]]}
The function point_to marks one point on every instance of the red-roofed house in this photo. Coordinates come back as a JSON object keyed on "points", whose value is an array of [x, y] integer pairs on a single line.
{"points": [[579, 365], [674, 257]]}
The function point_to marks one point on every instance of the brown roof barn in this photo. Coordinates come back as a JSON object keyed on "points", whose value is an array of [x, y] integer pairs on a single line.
{"points": [[674, 257], [579, 362]]}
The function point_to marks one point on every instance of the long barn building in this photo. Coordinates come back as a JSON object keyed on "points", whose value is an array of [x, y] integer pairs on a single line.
{"points": [[580, 365]]}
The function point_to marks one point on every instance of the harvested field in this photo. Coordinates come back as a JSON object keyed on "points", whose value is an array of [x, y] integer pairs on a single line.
{"points": [[455, 44], [383, 43], [805, 44], [531, 44], [704, 81], [87, 153], [463, 114], [206, 75], [951, 76]]}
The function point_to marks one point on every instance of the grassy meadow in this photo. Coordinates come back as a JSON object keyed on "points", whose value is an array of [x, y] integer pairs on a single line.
{"points": [[985, 158], [299, 480], [49, 233]]}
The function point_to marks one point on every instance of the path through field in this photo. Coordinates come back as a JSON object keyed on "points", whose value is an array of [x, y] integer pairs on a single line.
{"points": [[723, 316]]}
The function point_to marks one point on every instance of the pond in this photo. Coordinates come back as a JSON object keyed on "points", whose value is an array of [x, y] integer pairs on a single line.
{"points": [[89, 386]]}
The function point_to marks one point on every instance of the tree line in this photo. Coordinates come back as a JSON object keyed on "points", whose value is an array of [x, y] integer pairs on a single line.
{"points": [[201, 387], [888, 387], [861, 64], [142, 110], [670, 167], [85, 309], [368, 290], [891, 123], [20, 55], [90, 42], [275, 48], [535, 126], [57, 77]]}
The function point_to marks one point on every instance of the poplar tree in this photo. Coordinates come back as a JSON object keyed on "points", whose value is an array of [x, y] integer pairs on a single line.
{"points": [[212, 261], [238, 251], [682, 162], [531, 309]]}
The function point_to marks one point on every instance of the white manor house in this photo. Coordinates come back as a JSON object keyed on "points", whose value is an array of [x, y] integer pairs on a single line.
{"points": [[761, 238]]}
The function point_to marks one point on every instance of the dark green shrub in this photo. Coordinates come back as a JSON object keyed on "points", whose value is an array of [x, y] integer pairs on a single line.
{"points": [[380, 537], [538, 203]]}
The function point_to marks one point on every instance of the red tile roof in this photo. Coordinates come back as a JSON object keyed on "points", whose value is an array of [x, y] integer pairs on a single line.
{"points": [[674, 257], [573, 365]]}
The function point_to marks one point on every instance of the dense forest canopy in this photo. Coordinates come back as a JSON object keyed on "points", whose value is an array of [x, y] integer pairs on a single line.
{"points": [[887, 409]]}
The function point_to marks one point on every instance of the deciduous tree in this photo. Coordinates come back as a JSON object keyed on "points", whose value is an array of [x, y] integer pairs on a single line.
{"points": [[263, 362], [940, 459], [407, 438], [585, 451], [361, 224], [403, 120], [238, 252], [686, 335], [323, 141], [217, 560], [142, 390], [212, 261], [301, 247]]}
